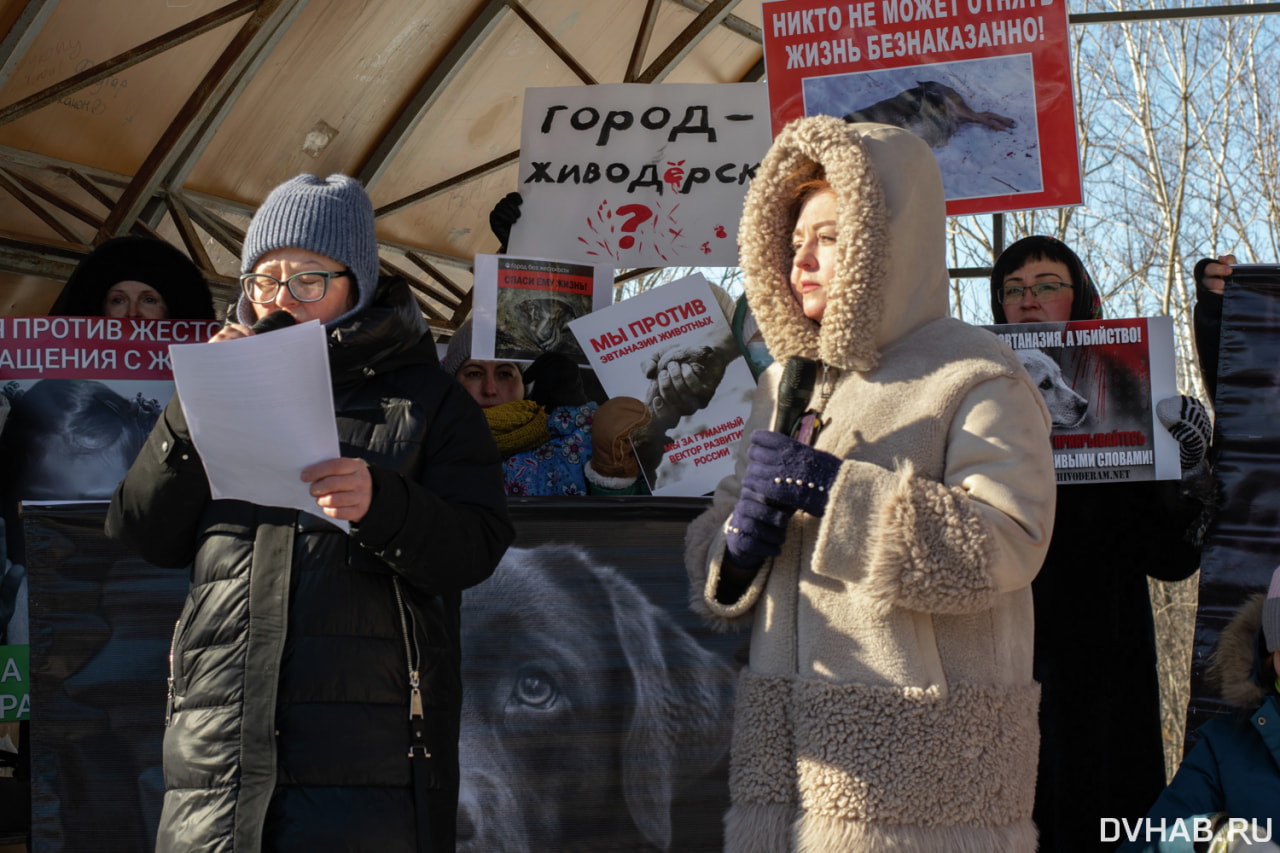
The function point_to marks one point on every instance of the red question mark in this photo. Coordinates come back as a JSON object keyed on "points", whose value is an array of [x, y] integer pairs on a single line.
{"points": [[637, 214]]}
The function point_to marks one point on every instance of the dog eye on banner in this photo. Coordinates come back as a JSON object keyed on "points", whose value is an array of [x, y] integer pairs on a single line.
{"points": [[598, 710], [597, 706]]}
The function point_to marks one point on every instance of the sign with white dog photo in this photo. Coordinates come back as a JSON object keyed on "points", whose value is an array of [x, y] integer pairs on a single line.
{"points": [[1101, 381]]}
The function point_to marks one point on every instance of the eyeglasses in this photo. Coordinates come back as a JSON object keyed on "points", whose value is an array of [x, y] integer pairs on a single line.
{"points": [[262, 289], [1043, 291]]}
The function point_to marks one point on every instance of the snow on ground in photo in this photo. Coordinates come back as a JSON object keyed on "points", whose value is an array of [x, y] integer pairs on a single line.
{"points": [[977, 161]]}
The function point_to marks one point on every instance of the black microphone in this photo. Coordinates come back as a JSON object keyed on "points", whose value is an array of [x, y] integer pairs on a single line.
{"points": [[280, 319], [794, 393]]}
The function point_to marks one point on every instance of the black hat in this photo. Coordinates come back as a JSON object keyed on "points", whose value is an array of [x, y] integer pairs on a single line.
{"points": [[155, 263]]}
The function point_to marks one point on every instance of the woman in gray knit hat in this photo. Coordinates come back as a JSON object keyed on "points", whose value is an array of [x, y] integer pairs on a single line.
{"points": [[315, 692]]}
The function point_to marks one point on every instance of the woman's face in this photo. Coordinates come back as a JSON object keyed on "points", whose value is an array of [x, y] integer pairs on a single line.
{"points": [[814, 243], [134, 299], [491, 383], [1031, 308], [282, 263]]}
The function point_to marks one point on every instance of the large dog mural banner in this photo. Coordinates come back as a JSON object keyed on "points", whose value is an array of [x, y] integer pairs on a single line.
{"points": [[597, 710]]}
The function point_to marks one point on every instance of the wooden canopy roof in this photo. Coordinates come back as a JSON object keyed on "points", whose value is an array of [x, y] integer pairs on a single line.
{"points": [[177, 117]]}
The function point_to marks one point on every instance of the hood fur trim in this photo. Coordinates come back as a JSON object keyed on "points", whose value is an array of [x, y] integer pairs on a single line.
{"points": [[845, 339], [1232, 667]]}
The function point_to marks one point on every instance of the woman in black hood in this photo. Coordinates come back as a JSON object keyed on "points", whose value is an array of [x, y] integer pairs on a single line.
{"points": [[1085, 302], [155, 264], [1101, 747]]}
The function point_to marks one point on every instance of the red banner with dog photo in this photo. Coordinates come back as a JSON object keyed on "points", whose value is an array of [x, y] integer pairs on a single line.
{"points": [[81, 394], [84, 393], [987, 84], [1101, 380], [597, 707]]}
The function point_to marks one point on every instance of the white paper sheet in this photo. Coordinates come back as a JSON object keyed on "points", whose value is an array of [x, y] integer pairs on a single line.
{"points": [[260, 409]]}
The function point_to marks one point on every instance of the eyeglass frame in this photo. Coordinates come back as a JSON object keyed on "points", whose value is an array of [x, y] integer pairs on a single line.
{"points": [[328, 275], [1039, 297]]}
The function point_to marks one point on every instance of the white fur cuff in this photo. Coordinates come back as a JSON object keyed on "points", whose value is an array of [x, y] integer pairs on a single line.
{"points": [[934, 552]]}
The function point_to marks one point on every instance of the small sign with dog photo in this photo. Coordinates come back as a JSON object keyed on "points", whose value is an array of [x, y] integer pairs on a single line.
{"points": [[523, 306], [1101, 381]]}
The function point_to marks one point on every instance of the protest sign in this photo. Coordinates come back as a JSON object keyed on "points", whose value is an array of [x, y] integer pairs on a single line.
{"points": [[987, 83], [84, 391], [15, 685], [636, 175], [673, 348], [1101, 380], [522, 306]]}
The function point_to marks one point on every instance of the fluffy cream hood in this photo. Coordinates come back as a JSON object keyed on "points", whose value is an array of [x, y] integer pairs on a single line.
{"points": [[890, 274]]}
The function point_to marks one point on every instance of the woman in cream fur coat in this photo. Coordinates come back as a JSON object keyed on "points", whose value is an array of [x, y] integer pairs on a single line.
{"points": [[883, 558]]}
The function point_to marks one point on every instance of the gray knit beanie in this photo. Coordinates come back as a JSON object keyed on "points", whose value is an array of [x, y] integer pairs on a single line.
{"points": [[332, 217], [459, 350], [1271, 613]]}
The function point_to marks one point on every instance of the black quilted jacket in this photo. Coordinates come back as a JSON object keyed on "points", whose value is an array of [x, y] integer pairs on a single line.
{"points": [[289, 719]]}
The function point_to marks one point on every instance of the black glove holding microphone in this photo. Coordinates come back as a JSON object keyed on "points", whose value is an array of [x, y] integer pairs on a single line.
{"points": [[784, 475]]}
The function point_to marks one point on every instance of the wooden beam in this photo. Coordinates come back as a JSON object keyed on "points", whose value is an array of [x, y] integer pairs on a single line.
{"points": [[755, 73], [190, 238], [428, 91], [461, 312], [46, 216], [424, 303], [186, 161], [67, 205], [88, 185], [731, 22], [444, 186], [423, 264], [552, 42], [23, 256], [697, 30], [242, 50], [128, 59], [635, 273], [99, 196], [23, 32], [430, 254], [420, 290], [224, 233], [641, 45]]}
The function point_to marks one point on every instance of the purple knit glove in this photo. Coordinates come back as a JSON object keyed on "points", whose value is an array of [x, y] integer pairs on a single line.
{"points": [[755, 531], [787, 473]]}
